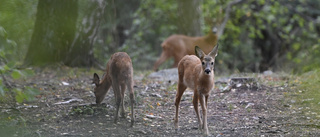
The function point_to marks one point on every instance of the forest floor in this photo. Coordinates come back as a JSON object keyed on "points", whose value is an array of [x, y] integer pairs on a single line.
{"points": [[66, 107]]}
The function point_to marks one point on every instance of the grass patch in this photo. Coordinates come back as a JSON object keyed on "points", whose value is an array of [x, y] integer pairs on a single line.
{"points": [[82, 110], [13, 124], [306, 93]]}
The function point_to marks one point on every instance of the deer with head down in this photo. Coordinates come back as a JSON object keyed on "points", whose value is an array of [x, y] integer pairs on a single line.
{"points": [[177, 46], [119, 75], [197, 73]]}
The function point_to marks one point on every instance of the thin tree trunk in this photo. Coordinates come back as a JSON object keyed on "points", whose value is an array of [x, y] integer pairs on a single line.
{"points": [[81, 50], [119, 18]]}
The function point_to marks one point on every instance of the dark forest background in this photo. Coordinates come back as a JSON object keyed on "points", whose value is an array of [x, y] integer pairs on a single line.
{"points": [[256, 35]]}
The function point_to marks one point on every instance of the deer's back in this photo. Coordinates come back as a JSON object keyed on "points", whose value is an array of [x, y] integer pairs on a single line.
{"points": [[177, 43], [120, 66]]}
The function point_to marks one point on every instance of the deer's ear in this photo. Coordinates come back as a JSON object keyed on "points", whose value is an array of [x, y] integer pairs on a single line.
{"points": [[96, 79], [199, 53], [214, 52]]}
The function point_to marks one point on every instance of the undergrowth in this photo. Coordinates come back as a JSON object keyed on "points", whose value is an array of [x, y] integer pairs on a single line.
{"points": [[306, 93]]}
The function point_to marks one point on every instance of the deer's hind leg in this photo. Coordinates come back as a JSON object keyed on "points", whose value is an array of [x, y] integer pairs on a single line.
{"points": [[131, 93], [181, 89], [116, 89], [123, 89], [164, 56]]}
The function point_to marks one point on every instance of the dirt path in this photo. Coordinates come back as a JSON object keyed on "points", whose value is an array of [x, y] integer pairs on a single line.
{"points": [[66, 108]]}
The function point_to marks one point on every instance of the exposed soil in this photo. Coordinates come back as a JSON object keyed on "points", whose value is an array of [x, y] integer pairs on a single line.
{"points": [[259, 110]]}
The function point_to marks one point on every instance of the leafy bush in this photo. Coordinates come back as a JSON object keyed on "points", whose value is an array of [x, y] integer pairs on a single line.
{"points": [[18, 18], [8, 71]]}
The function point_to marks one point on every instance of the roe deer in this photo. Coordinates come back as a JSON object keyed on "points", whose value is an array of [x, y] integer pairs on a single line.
{"points": [[177, 46], [197, 73], [119, 73]]}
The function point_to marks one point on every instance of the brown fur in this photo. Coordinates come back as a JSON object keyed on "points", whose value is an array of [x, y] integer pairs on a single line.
{"points": [[177, 46], [119, 75], [197, 73]]}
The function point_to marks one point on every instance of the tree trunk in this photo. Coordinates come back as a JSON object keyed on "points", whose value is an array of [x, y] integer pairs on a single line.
{"points": [[190, 20], [56, 38], [81, 50], [54, 31]]}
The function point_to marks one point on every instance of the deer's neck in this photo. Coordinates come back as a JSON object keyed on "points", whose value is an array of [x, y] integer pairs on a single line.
{"points": [[106, 82], [211, 38], [205, 83]]}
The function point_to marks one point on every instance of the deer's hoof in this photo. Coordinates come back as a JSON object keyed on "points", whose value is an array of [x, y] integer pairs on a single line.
{"points": [[132, 123], [206, 133]]}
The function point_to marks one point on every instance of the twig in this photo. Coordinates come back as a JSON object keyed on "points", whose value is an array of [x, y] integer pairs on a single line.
{"points": [[97, 65], [6, 83]]}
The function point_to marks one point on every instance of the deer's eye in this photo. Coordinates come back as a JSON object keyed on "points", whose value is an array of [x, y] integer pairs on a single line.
{"points": [[202, 63], [211, 63]]}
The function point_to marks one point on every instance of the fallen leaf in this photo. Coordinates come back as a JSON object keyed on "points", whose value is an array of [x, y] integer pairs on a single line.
{"points": [[151, 106]]}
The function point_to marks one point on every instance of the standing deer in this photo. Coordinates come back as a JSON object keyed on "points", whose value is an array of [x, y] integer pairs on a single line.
{"points": [[119, 73], [177, 46], [197, 73]]}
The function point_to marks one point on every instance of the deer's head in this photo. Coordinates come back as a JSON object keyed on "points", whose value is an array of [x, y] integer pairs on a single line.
{"points": [[207, 60], [99, 90]]}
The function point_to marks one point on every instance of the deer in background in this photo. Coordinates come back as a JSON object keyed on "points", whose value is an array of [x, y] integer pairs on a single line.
{"points": [[197, 73], [177, 46], [119, 75]]}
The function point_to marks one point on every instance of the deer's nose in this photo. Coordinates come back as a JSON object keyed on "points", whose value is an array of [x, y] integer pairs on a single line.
{"points": [[207, 71]]}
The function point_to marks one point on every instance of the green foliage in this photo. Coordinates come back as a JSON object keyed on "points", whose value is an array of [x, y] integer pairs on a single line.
{"points": [[16, 74], [27, 94], [17, 17], [285, 29], [259, 32], [310, 59], [83, 110], [153, 22], [8, 70]]}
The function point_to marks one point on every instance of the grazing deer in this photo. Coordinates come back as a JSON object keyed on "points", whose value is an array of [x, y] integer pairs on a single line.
{"points": [[197, 73], [177, 46], [119, 73]]}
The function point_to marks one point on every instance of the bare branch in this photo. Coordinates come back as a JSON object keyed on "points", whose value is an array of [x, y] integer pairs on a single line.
{"points": [[6, 83], [227, 15]]}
